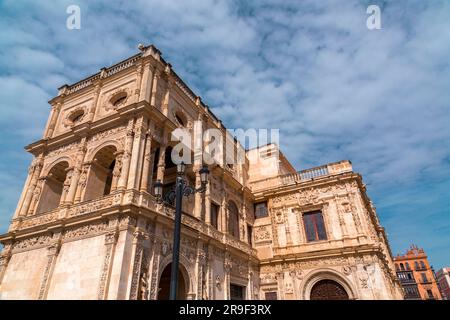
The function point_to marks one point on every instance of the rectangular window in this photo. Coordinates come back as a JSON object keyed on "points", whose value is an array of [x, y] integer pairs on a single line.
{"points": [[215, 215], [424, 277], [236, 292], [261, 210], [430, 294], [249, 234], [272, 295], [314, 226]]}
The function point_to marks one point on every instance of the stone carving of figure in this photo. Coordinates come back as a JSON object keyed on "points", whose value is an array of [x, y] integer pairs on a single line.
{"points": [[143, 292]]}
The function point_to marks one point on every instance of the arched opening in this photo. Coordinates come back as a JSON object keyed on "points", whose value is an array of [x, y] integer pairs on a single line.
{"points": [[233, 219], [328, 290], [102, 180], [164, 284], [53, 188]]}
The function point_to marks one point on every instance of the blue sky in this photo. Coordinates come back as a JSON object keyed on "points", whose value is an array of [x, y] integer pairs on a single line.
{"points": [[335, 89]]}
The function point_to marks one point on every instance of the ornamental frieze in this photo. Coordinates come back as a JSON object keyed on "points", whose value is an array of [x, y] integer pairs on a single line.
{"points": [[40, 219], [94, 206], [302, 265], [87, 230], [263, 234], [63, 149], [32, 242]]}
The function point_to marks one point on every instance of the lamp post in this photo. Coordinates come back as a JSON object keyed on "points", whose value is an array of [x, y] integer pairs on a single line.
{"points": [[181, 189]]}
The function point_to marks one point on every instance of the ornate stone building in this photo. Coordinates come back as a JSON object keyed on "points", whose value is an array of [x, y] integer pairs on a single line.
{"points": [[88, 227]]}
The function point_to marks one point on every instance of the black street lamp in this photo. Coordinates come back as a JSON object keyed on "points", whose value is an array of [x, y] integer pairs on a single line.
{"points": [[181, 189]]}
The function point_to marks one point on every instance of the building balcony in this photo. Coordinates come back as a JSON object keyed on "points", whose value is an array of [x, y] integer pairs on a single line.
{"points": [[303, 176]]}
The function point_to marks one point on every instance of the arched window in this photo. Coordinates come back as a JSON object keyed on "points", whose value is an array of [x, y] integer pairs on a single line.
{"points": [[52, 190], [416, 265], [233, 219], [407, 266], [422, 265], [102, 178], [402, 267]]}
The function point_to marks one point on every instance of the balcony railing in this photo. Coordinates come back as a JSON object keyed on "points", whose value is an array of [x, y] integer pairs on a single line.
{"points": [[303, 176]]}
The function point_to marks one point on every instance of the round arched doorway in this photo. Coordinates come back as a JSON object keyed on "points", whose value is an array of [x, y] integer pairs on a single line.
{"points": [[328, 290], [164, 284]]}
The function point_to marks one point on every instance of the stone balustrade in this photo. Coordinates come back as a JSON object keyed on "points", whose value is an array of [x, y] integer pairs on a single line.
{"points": [[302, 176]]}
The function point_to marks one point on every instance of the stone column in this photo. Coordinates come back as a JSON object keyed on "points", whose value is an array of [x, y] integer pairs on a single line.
{"points": [[4, 260], [224, 211], [146, 84], [37, 194], [156, 76], [54, 114], [66, 185], [82, 180], [116, 171], [70, 198], [93, 108], [30, 191], [161, 163], [154, 271], [110, 244], [198, 200], [147, 166], [134, 174], [139, 73], [342, 223], [25, 189], [226, 280], [208, 203], [165, 106], [138, 258], [52, 254], [122, 184]]}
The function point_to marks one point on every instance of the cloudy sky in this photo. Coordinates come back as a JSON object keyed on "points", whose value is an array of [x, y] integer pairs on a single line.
{"points": [[335, 89]]}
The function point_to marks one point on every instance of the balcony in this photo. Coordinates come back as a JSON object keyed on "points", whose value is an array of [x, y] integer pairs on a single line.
{"points": [[303, 176]]}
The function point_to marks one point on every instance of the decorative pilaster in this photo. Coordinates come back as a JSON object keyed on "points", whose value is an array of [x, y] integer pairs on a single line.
{"points": [[126, 156], [134, 173], [156, 76], [53, 118], [146, 85], [94, 105], [52, 254], [161, 163], [37, 168], [140, 267], [110, 246], [4, 260], [155, 270], [208, 203], [146, 168], [66, 185], [117, 171], [36, 195], [76, 172], [139, 73], [165, 106], [82, 180], [226, 281], [198, 199]]}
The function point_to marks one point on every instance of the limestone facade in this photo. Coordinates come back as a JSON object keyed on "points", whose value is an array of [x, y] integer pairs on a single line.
{"points": [[88, 227]]}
